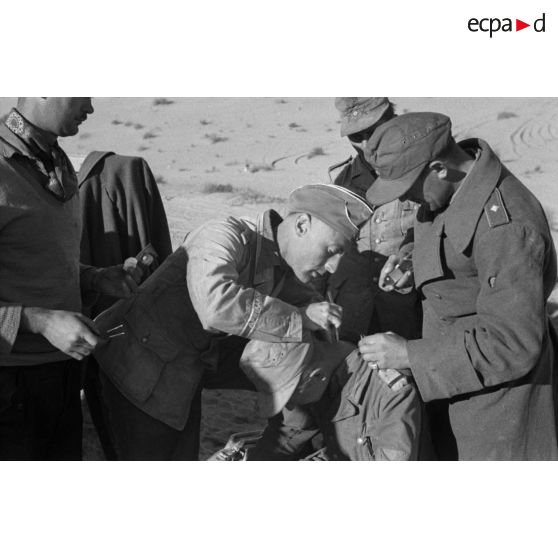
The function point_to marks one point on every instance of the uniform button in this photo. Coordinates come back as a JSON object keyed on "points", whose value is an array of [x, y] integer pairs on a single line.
{"points": [[360, 441], [378, 220], [145, 339], [438, 296], [375, 279], [377, 240], [20, 406], [323, 378]]}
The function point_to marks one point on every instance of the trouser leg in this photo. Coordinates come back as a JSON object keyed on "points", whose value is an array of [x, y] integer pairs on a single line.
{"points": [[92, 390], [40, 412], [287, 437], [137, 436]]}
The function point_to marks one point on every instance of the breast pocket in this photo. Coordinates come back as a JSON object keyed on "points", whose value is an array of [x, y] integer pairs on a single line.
{"points": [[135, 360]]}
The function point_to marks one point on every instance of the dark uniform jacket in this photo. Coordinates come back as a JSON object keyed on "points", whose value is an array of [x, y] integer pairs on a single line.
{"points": [[226, 278], [354, 286], [485, 267], [121, 211]]}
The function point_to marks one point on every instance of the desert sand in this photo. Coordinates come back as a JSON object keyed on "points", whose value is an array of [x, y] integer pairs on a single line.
{"points": [[218, 156]]}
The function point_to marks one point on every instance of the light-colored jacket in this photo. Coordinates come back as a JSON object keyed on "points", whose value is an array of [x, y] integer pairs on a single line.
{"points": [[226, 278]]}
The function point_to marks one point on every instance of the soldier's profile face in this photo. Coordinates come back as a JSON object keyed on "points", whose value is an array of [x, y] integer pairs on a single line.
{"points": [[63, 115], [316, 252], [360, 139], [430, 190]]}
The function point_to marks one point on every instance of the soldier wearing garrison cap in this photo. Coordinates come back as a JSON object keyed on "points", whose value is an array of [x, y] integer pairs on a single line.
{"points": [[485, 265], [231, 280], [355, 284]]}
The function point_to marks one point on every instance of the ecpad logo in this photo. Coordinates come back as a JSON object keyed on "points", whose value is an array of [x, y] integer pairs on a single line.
{"points": [[492, 25]]}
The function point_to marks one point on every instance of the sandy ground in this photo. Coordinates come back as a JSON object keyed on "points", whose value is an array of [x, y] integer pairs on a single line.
{"points": [[259, 149]]}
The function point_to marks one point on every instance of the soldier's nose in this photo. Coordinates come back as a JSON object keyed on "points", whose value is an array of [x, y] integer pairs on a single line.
{"points": [[333, 263]]}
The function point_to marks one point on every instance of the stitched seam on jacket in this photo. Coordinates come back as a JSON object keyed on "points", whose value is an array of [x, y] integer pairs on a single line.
{"points": [[257, 306]]}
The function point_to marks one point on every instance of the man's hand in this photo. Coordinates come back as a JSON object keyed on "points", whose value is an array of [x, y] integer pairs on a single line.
{"points": [[118, 281], [70, 332], [321, 315], [386, 283], [384, 350]]}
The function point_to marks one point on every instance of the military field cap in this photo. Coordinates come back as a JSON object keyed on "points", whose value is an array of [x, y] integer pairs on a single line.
{"points": [[359, 113], [338, 207], [284, 371], [400, 149]]}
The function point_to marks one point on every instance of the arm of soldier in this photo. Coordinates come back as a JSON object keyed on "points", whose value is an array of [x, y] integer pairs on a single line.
{"points": [[119, 281], [216, 255], [502, 342], [70, 332]]}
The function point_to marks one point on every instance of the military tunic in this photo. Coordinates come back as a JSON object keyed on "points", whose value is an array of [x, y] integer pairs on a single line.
{"points": [[485, 267], [226, 278], [368, 309]]}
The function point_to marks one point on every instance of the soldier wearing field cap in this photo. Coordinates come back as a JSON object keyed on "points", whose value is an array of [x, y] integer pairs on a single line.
{"points": [[231, 280], [326, 387], [485, 265], [355, 284]]}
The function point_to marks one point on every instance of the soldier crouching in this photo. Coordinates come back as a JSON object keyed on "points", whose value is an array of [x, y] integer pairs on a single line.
{"points": [[316, 387]]}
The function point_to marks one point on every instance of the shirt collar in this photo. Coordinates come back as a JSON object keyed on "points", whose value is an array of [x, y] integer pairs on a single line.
{"points": [[461, 217], [23, 138]]}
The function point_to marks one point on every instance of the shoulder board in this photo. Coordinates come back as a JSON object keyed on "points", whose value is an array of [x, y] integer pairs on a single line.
{"points": [[339, 165], [495, 210], [394, 379]]}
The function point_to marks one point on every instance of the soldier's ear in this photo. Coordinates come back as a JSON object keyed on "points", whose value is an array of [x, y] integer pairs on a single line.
{"points": [[303, 223], [440, 168]]}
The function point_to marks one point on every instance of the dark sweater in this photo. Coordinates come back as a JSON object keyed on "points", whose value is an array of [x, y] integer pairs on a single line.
{"points": [[39, 256]]}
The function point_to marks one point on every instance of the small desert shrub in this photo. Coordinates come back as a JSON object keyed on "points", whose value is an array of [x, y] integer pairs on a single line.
{"points": [[250, 196], [294, 125], [316, 152], [215, 138], [205, 122], [161, 101], [160, 179], [504, 115], [257, 167], [216, 188], [149, 135]]}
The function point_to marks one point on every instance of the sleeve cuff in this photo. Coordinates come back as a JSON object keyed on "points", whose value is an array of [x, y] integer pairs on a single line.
{"points": [[10, 317]]}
